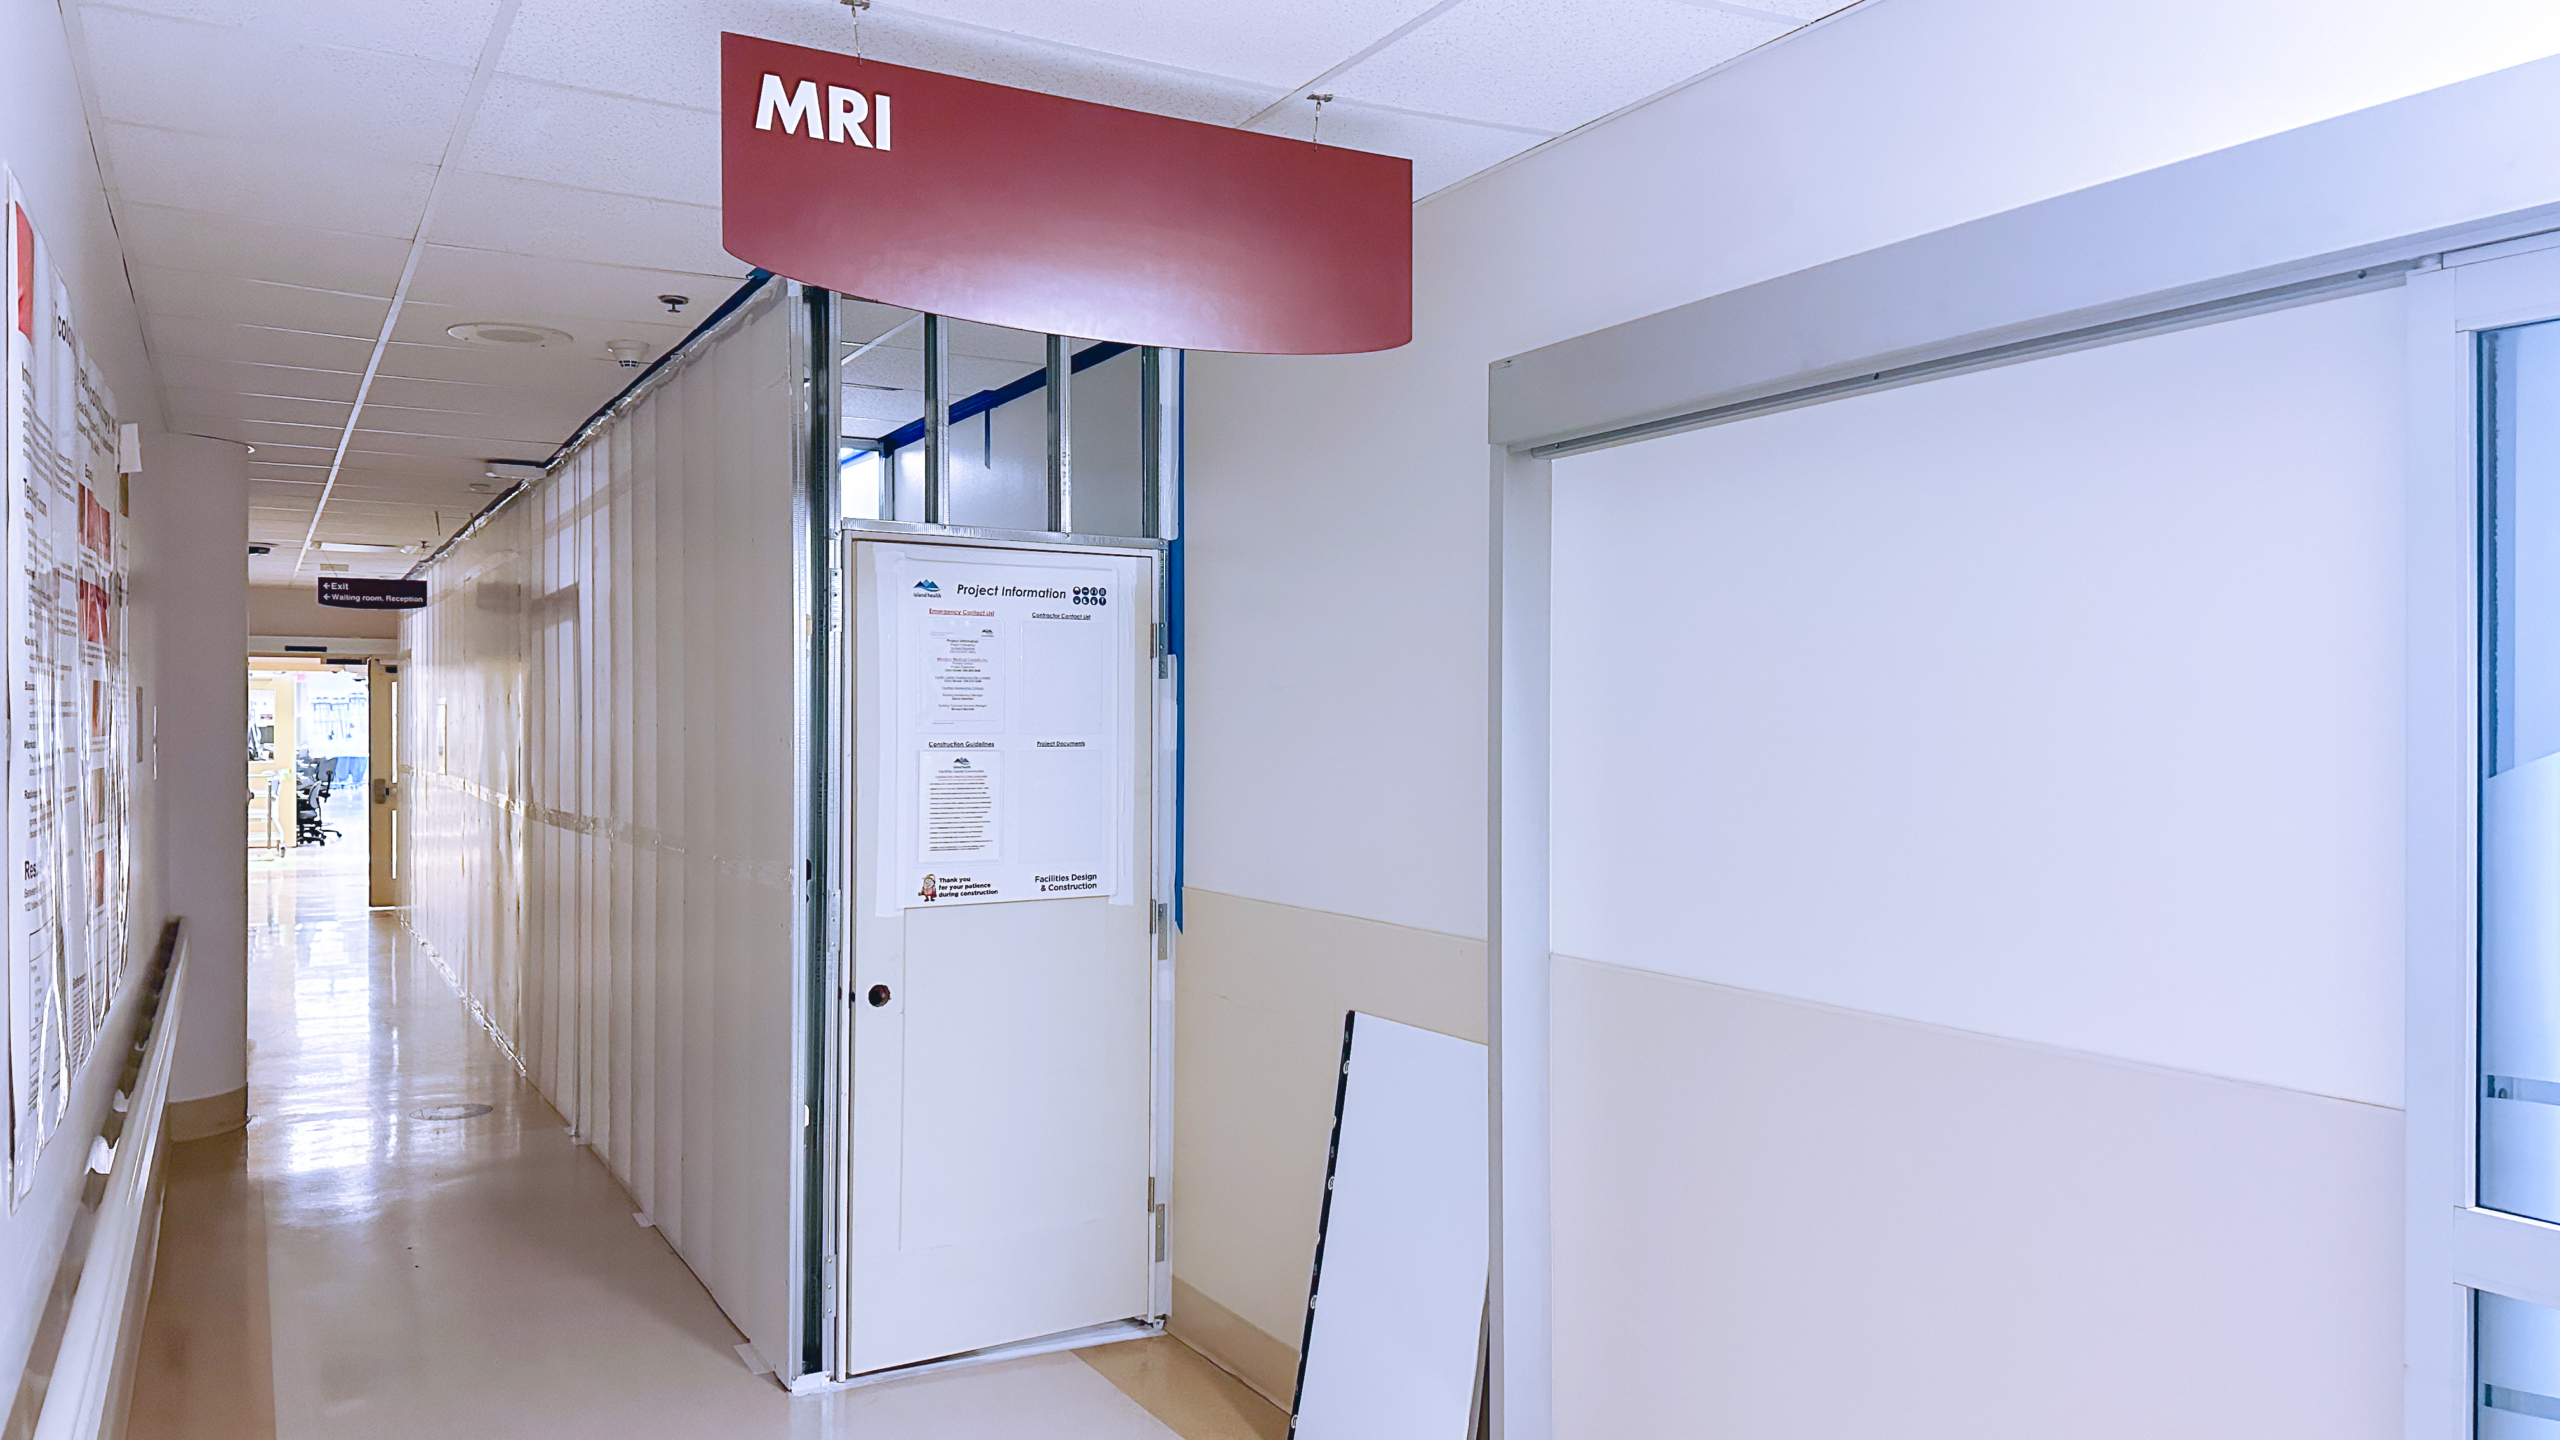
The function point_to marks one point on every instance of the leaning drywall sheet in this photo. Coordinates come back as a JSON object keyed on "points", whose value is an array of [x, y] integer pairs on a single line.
{"points": [[68, 699], [1395, 1313]]}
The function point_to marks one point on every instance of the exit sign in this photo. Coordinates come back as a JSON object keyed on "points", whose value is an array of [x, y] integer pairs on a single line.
{"points": [[348, 593]]}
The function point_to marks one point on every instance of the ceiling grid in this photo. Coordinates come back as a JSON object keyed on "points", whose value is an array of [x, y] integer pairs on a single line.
{"points": [[312, 196]]}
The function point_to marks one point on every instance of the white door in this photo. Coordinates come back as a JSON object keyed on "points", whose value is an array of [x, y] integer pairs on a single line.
{"points": [[1000, 1129]]}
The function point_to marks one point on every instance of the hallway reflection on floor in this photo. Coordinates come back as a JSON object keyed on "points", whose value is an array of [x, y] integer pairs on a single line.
{"points": [[350, 1266]]}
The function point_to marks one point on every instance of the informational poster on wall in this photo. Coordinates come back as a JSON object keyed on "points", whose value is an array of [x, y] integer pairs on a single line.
{"points": [[1008, 769], [68, 699]]}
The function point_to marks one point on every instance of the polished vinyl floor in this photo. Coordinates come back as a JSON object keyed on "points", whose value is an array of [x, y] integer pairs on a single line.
{"points": [[351, 1265]]}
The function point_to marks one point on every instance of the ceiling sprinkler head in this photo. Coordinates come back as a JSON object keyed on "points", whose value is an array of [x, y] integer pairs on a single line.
{"points": [[675, 303], [627, 353]]}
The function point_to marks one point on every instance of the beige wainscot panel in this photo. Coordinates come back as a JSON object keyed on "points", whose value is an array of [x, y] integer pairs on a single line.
{"points": [[1259, 1000], [1774, 1218]]}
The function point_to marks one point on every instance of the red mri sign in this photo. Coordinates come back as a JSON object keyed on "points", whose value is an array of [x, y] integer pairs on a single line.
{"points": [[1014, 208]]}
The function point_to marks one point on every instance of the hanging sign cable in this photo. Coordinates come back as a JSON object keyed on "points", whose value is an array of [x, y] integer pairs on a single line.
{"points": [[857, 7]]}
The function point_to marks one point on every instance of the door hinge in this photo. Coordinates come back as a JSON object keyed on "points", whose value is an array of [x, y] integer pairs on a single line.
{"points": [[1156, 1211]]}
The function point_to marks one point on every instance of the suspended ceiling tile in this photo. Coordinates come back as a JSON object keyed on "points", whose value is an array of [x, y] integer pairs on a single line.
{"points": [[448, 30], [405, 394], [243, 377], [533, 130], [288, 185], [174, 335], [403, 427], [197, 295], [448, 496], [255, 250], [527, 217], [1550, 64], [412, 462], [429, 322], [1797, 10], [569, 375], [927, 44], [675, 55], [1443, 152], [859, 322], [183, 399], [1275, 44], [994, 342], [459, 447], [586, 289], [538, 415], [897, 370], [214, 80]]}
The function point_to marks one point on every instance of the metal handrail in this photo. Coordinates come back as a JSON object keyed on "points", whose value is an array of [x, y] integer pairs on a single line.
{"points": [[102, 1336]]}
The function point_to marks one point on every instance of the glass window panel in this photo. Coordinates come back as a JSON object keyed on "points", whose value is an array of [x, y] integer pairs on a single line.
{"points": [[2516, 1395], [2519, 1105]]}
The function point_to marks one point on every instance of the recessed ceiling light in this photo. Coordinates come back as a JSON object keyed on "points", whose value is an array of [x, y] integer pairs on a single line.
{"points": [[357, 548], [336, 569], [505, 333]]}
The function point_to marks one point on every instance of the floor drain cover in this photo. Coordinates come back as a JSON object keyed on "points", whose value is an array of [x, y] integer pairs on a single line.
{"points": [[449, 1112]]}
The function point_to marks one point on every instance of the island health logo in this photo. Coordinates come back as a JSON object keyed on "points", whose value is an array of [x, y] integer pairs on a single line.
{"points": [[928, 589]]}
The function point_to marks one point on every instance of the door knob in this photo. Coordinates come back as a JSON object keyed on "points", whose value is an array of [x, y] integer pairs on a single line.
{"points": [[879, 996]]}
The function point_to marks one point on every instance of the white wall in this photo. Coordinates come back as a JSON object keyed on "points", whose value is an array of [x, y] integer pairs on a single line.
{"points": [[191, 506], [44, 141], [2059, 702], [296, 610], [1336, 507]]}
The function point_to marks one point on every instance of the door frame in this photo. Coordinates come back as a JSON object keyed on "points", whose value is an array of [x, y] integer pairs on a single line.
{"points": [[2454, 1245], [847, 792], [382, 782]]}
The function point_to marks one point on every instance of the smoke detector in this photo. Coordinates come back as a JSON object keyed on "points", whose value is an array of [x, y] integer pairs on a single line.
{"points": [[627, 353], [507, 334]]}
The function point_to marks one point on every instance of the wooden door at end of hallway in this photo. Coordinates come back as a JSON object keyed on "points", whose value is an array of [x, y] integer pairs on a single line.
{"points": [[382, 783]]}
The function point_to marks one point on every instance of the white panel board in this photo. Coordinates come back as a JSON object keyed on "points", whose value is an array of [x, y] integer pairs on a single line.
{"points": [[1396, 1310], [601, 831]]}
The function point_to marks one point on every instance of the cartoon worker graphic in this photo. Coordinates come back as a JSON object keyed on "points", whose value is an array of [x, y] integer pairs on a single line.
{"points": [[931, 890]]}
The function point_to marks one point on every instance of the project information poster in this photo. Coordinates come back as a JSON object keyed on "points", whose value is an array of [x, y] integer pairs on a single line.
{"points": [[68, 696], [1010, 767]]}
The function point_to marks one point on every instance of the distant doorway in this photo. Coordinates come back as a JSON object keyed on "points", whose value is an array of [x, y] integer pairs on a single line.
{"points": [[310, 741]]}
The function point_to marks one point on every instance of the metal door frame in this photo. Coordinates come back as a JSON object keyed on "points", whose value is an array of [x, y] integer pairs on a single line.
{"points": [[829, 785]]}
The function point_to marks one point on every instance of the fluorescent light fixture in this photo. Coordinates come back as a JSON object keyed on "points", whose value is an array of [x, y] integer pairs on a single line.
{"points": [[350, 547]]}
